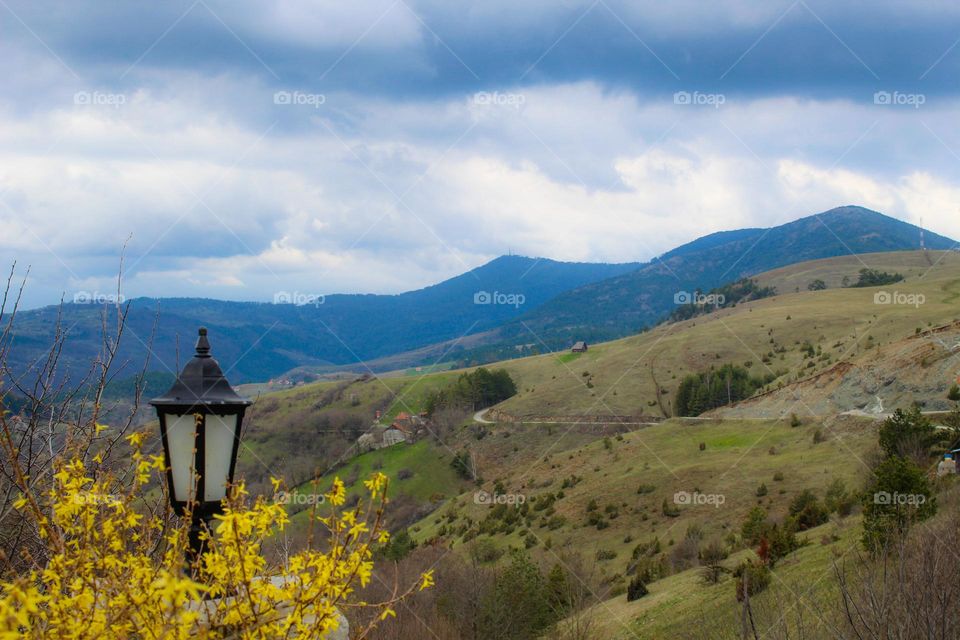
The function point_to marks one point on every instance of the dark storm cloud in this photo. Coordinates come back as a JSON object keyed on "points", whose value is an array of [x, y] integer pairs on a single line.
{"points": [[817, 48]]}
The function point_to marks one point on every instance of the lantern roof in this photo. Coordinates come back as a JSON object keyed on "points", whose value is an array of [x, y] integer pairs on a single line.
{"points": [[202, 385]]}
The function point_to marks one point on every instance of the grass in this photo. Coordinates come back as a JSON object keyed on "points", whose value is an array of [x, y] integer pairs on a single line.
{"points": [[429, 465], [843, 323], [666, 457], [675, 605]]}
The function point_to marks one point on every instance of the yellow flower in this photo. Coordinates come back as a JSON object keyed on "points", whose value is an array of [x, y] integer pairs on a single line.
{"points": [[99, 536], [136, 439], [426, 580], [338, 494]]}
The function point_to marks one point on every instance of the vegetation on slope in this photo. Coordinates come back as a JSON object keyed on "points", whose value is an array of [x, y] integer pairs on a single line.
{"points": [[716, 387]]}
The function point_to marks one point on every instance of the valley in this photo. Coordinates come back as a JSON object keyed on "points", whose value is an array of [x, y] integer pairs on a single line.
{"points": [[588, 466]]}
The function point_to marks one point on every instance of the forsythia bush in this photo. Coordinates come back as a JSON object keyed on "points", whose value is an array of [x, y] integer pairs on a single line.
{"points": [[114, 570]]}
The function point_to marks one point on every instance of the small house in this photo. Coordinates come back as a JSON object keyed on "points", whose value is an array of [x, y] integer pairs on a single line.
{"points": [[395, 434], [579, 347]]}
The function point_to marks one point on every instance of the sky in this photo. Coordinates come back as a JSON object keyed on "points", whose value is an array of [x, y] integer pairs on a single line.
{"points": [[239, 150]]}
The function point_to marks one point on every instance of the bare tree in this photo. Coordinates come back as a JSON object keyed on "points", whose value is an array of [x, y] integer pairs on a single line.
{"points": [[46, 415]]}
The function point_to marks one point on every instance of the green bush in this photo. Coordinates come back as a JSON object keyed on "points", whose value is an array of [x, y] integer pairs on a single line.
{"points": [[806, 511], [756, 576], [636, 589]]}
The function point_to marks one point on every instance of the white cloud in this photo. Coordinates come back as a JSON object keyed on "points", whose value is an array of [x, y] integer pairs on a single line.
{"points": [[404, 194]]}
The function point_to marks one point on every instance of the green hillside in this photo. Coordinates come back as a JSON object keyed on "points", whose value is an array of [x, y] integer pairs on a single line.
{"points": [[770, 335]]}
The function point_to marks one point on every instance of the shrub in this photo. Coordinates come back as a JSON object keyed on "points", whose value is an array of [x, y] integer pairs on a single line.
{"points": [[712, 555], [756, 577], [636, 589], [754, 526], [485, 550], [954, 394], [761, 490], [669, 510], [103, 577], [806, 510], [837, 499]]}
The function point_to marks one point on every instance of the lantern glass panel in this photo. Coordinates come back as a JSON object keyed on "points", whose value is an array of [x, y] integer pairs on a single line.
{"points": [[218, 452], [180, 443]]}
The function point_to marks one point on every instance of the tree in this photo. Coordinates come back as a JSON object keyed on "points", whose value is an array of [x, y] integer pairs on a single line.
{"points": [[817, 285], [874, 278], [717, 387], [519, 605], [954, 394], [462, 463], [908, 434], [399, 546], [899, 496], [558, 591]]}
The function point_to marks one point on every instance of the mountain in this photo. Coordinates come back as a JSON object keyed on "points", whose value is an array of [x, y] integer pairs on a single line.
{"points": [[257, 341], [627, 303]]}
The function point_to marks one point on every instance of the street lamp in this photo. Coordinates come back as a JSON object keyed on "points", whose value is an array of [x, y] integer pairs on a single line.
{"points": [[200, 420]]}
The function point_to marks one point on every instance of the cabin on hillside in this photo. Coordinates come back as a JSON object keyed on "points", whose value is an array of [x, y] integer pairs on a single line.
{"points": [[395, 434], [579, 347]]}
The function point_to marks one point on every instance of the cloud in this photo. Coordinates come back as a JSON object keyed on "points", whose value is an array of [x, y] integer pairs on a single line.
{"points": [[431, 139]]}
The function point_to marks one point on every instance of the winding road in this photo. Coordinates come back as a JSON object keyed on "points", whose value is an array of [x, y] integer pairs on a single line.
{"points": [[478, 417]]}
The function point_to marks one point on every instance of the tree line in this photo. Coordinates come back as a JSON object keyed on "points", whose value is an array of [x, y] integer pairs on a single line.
{"points": [[476, 390], [717, 387]]}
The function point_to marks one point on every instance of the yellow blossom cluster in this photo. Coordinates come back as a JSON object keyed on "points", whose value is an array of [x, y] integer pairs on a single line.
{"points": [[112, 571]]}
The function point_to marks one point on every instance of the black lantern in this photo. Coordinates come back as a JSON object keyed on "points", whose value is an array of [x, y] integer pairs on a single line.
{"points": [[200, 420]]}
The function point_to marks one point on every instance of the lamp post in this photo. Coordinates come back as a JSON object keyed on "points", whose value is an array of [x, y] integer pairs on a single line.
{"points": [[200, 421]]}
